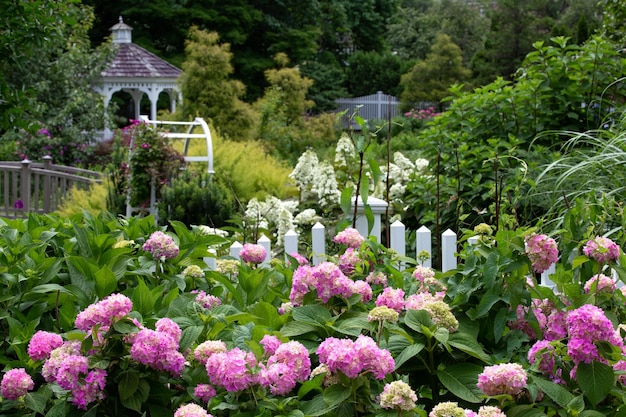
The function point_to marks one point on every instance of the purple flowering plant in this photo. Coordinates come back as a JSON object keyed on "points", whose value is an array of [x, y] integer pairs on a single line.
{"points": [[370, 334]]}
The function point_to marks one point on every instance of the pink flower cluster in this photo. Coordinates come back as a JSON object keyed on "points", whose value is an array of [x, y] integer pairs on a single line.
{"points": [[349, 237], [161, 246], [550, 320], [355, 357], [289, 364], [486, 411], [505, 378], [205, 349], [348, 261], [586, 326], [253, 253], [232, 370], [159, 348], [16, 383], [204, 392], [602, 249], [600, 283], [104, 313], [42, 344], [207, 301], [327, 279], [70, 370], [392, 298], [542, 251], [543, 353]]}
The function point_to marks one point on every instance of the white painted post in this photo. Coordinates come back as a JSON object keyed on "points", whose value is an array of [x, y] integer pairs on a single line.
{"points": [[211, 261], [397, 239], [291, 242], [473, 241], [318, 237], [267, 244], [378, 207], [423, 242], [235, 248], [448, 250], [545, 277]]}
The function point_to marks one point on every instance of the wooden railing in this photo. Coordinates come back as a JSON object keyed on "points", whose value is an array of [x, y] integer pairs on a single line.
{"points": [[28, 186]]}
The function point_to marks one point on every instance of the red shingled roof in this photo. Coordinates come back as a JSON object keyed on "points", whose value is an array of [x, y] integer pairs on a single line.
{"points": [[133, 61]]}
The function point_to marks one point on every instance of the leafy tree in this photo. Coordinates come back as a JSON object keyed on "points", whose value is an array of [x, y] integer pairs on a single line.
{"points": [[328, 82], [369, 72], [613, 20], [430, 79], [46, 79], [208, 89]]}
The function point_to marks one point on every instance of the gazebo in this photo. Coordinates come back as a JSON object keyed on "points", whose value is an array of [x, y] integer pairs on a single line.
{"points": [[137, 71]]}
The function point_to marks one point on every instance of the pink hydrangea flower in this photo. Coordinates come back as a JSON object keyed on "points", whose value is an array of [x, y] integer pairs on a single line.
{"points": [[191, 410], [157, 350], [232, 370], [70, 371], [423, 273], [329, 281], [301, 280], [253, 253], [270, 343], [376, 277], [296, 356], [392, 298], [16, 383], [42, 344], [169, 327], [299, 258], [161, 246], [602, 284], [354, 357], [490, 411], [51, 366], [204, 392], [602, 249], [207, 301], [363, 289], [104, 312], [373, 359], [505, 378], [348, 261], [543, 353], [349, 237], [278, 377], [91, 390], [542, 251]]}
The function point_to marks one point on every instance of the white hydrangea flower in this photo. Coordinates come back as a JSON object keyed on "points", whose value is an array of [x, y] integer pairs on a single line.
{"points": [[306, 217], [344, 151], [304, 172], [403, 162], [421, 164], [325, 185]]}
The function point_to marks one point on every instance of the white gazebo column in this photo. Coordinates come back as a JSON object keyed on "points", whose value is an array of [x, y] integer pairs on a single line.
{"points": [[137, 96], [378, 207]]}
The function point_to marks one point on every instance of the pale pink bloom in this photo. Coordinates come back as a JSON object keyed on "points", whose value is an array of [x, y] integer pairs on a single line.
{"points": [[362, 288], [398, 395], [103, 313], [542, 251], [204, 392], [392, 298], [161, 246], [205, 349], [191, 410], [16, 383], [602, 284], [349, 237], [602, 249], [270, 343], [253, 253], [505, 378], [232, 370]]}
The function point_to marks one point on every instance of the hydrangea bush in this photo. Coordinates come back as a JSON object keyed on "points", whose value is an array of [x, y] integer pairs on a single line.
{"points": [[107, 317]]}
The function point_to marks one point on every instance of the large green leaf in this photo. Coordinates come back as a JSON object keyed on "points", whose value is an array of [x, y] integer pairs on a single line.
{"points": [[35, 402], [128, 384], [460, 379], [336, 395], [408, 353], [295, 328], [466, 343], [189, 336], [596, 380], [106, 282], [557, 393], [312, 313], [525, 410], [415, 319]]}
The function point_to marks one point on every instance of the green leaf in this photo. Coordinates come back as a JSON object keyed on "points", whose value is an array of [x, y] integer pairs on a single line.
{"points": [[128, 384], [346, 200], [46, 288], [315, 407], [466, 343], [106, 282], [143, 299], [595, 379], [59, 409], [138, 398], [591, 413], [335, 395], [311, 314], [525, 410], [557, 393], [415, 319], [35, 402], [294, 328], [460, 379], [408, 353], [189, 336], [486, 302]]}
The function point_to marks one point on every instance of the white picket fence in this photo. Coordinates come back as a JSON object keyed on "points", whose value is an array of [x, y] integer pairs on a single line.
{"points": [[377, 106], [397, 241]]}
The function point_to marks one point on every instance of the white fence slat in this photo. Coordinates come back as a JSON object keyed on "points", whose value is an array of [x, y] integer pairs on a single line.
{"points": [[291, 242], [235, 248], [397, 238], [423, 242], [267, 244], [318, 236], [448, 250]]}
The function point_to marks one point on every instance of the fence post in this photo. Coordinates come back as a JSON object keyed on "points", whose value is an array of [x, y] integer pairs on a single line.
{"points": [[448, 250], [25, 185], [267, 244], [397, 239], [378, 207], [291, 243], [545, 277], [211, 261], [318, 237], [423, 243], [235, 248], [47, 189]]}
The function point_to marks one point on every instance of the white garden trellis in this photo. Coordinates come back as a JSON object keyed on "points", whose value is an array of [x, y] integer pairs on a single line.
{"points": [[189, 132]]}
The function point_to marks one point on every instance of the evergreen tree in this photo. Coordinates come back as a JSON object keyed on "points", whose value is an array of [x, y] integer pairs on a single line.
{"points": [[209, 91], [430, 79]]}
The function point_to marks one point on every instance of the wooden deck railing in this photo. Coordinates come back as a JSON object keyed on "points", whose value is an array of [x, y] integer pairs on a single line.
{"points": [[28, 186]]}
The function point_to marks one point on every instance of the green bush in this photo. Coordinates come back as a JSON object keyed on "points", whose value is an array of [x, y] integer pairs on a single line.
{"points": [[196, 198]]}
